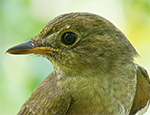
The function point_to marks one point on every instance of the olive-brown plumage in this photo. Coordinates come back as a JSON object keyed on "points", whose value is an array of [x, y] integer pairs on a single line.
{"points": [[94, 72]]}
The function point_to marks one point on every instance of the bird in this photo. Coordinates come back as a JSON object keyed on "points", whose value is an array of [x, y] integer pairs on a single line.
{"points": [[94, 69]]}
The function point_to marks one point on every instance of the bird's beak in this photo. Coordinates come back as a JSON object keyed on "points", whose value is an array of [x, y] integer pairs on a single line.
{"points": [[28, 48]]}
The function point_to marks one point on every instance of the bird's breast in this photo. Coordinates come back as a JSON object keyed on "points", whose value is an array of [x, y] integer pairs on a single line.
{"points": [[99, 95]]}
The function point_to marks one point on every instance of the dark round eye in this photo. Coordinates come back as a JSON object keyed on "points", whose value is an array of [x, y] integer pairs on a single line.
{"points": [[69, 38]]}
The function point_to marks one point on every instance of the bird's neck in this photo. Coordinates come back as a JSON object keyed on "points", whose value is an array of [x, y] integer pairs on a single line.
{"points": [[104, 85]]}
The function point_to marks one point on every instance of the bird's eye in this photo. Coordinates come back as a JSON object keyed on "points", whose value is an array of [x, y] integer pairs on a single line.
{"points": [[69, 38]]}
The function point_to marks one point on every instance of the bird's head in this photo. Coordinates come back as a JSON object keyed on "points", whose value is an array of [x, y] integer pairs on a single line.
{"points": [[79, 42]]}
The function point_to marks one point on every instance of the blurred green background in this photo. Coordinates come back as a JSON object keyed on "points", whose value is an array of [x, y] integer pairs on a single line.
{"points": [[20, 20]]}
